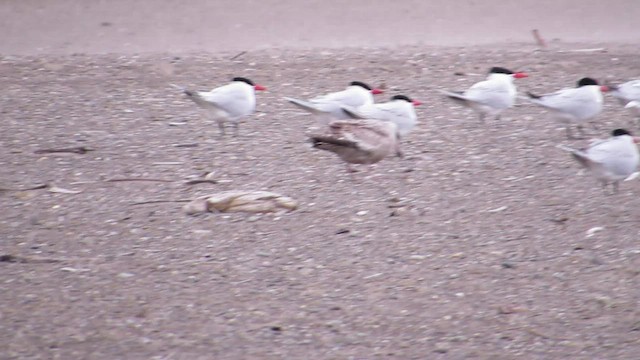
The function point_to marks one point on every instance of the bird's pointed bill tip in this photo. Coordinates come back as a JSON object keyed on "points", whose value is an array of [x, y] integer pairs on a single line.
{"points": [[377, 91], [259, 87], [520, 75]]}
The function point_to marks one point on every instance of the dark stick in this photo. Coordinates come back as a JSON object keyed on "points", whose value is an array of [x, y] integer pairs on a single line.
{"points": [[75, 150], [238, 55]]}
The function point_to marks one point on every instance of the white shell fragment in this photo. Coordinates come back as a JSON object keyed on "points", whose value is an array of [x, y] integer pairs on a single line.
{"points": [[594, 230], [241, 200], [59, 190]]}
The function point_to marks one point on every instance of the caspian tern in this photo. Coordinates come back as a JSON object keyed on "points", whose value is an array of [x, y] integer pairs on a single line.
{"points": [[230, 102], [634, 106], [491, 96], [626, 92], [359, 141], [573, 105], [611, 160], [355, 95], [399, 110]]}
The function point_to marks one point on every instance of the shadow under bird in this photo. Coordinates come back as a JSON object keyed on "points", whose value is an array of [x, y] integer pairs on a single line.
{"points": [[400, 110], [359, 141], [355, 95], [573, 105], [227, 103], [611, 160], [491, 96]]}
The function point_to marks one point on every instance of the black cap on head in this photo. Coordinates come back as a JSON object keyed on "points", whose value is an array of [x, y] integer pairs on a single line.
{"points": [[361, 84], [401, 97], [245, 80], [586, 81], [619, 132], [500, 70]]}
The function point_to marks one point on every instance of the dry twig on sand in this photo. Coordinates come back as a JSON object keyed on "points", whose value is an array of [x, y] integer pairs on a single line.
{"points": [[74, 150], [539, 40], [201, 181], [27, 259], [138, 179], [160, 202], [34, 187], [238, 55]]}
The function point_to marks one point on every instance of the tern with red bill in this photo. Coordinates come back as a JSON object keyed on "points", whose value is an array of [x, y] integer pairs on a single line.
{"points": [[227, 103], [354, 96], [628, 94], [491, 96], [574, 105], [611, 160], [400, 110]]}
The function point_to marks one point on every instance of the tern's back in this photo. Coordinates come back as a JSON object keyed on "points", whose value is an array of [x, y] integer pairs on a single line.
{"points": [[237, 99]]}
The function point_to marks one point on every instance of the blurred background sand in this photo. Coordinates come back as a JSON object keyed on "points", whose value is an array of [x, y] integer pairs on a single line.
{"points": [[119, 26]]}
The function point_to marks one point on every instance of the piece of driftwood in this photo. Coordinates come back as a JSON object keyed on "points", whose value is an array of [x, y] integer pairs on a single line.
{"points": [[241, 201]]}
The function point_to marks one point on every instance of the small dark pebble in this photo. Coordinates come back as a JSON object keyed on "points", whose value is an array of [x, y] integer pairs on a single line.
{"points": [[343, 231], [559, 221], [276, 328], [459, 73], [507, 265], [596, 261], [8, 258], [186, 145]]}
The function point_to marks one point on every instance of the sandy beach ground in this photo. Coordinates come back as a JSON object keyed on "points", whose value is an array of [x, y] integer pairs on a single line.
{"points": [[484, 242]]}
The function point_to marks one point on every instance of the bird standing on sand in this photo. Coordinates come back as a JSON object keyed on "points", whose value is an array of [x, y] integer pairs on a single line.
{"points": [[359, 141], [611, 160], [400, 110], [228, 103], [491, 96], [628, 94], [355, 95], [574, 105]]}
